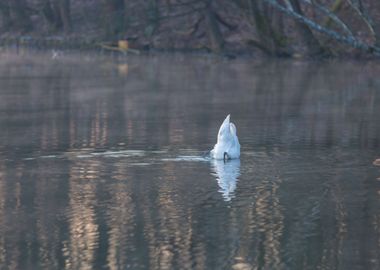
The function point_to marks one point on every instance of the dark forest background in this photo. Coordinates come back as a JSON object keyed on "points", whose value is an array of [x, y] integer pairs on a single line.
{"points": [[271, 27]]}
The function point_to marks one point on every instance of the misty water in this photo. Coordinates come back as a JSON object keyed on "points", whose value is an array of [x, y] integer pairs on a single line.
{"points": [[102, 167]]}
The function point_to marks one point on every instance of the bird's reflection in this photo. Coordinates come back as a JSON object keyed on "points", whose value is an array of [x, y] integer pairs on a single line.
{"points": [[227, 174]]}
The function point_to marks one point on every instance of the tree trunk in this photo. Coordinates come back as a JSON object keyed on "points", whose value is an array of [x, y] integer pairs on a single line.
{"points": [[268, 25], [49, 14], [64, 7], [115, 16], [214, 33], [376, 23], [6, 15], [153, 15], [377, 34], [20, 16], [58, 24], [312, 43], [261, 24]]}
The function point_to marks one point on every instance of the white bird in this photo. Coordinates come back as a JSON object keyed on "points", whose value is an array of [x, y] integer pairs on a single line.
{"points": [[56, 54], [227, 145]]}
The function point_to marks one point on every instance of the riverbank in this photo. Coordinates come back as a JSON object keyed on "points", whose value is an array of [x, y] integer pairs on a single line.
{"points": [[267, 28], [77, 43]]}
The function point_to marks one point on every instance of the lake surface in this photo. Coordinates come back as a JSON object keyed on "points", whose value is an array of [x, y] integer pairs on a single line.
{"points": [[101, 163]]}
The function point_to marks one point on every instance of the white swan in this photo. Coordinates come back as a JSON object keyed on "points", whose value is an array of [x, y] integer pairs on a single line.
{"points": [[227, 145]]}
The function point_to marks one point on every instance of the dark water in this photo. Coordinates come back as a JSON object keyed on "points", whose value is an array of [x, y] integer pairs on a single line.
{"points": [[101, 167]]}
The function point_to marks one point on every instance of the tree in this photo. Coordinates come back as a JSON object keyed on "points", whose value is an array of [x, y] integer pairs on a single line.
{"points": [[5, 14], [306, 34], [344, 35], [64, 14], [214, 33], [268, 25], [57, 14], [20, 17], [376, 24], [114, 17]]}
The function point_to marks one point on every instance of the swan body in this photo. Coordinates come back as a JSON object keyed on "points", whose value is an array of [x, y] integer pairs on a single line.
{"points": [[227, 145]]}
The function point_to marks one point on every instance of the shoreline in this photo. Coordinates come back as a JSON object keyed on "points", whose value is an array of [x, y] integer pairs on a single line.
{"points": [[61, 43]]}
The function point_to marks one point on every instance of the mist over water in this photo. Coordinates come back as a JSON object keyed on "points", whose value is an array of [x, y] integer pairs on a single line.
{"points": [[102, 167]]}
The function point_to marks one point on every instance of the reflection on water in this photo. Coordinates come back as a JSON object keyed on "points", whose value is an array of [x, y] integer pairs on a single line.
{"points": [[227, 174], [101, 166]]}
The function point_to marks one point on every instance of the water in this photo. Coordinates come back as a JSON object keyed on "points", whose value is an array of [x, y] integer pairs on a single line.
{"points": [[101, 163]]}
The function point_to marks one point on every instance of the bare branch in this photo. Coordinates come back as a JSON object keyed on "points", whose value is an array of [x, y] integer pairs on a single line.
{"points": [[363, 14], [348, 40], [329, 14]]}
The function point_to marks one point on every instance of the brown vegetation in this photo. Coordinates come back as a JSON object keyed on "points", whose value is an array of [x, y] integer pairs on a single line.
{"points": [[273, 27]]}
